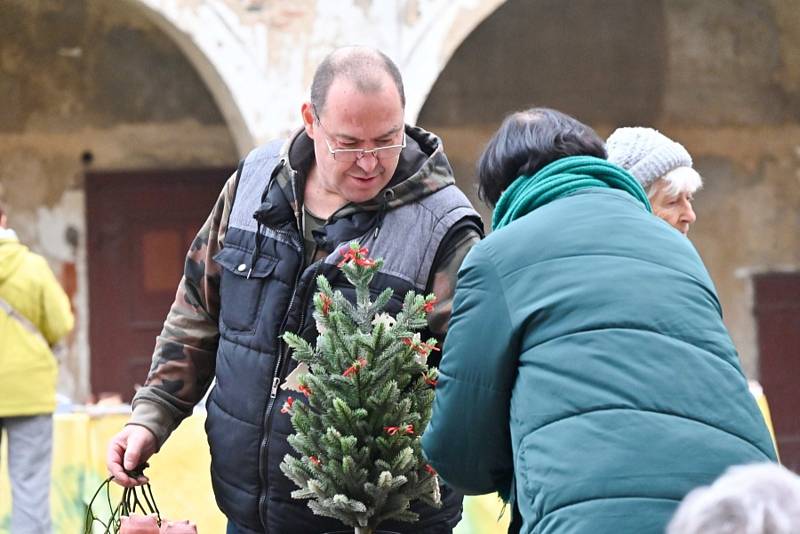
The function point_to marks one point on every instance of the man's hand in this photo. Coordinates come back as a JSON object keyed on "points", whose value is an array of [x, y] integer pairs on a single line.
{"points": [[130, 448]]}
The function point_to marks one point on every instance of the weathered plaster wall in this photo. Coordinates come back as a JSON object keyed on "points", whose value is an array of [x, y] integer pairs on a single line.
{"points": [[734, 98], [113, 84], [722, 77], [90, 77], [180, 83], [258, 57]]}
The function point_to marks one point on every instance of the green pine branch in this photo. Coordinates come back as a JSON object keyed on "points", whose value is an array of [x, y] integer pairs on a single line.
{"points": [[370, 394]]}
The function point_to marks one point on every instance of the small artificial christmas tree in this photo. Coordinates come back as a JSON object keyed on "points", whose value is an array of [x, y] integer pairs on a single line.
{"points": [[369, 393]]}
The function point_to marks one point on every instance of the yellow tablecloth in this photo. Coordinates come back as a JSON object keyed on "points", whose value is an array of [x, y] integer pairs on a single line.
{"points": [[482, 516], [179, 476], [179, 473]]}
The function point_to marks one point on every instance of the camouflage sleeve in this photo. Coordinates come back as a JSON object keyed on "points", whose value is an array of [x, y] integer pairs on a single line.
{"points": [[445, 272], [183, 361]]}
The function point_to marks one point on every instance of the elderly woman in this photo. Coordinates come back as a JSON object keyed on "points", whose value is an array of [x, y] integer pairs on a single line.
{"points": [[663, 167], [752, 499], [587, 375]]}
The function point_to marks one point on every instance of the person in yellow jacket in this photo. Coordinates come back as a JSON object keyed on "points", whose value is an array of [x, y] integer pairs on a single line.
{"points": [[35, 314]]}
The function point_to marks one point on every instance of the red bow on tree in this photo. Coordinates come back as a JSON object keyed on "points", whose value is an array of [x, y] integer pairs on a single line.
{"points": [[430, 381], [358, 364], [428, 306], [392, 430], [419, 347], [358, 255], [326, 304]]}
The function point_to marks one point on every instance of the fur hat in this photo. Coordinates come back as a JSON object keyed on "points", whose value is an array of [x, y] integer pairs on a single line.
{"points": [[646, 153]]}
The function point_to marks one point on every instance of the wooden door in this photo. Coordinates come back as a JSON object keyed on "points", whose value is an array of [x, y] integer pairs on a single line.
{"points": [[777, 301], [140, 225]]}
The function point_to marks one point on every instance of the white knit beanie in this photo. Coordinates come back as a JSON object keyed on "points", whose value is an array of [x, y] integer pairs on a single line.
{"points": [[645, 153]]}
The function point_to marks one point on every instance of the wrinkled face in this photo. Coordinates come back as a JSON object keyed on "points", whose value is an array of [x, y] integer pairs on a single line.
{"points": [[355, 119], [675, 209]]}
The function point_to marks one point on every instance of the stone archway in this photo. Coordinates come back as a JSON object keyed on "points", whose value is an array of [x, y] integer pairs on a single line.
{"points": [[432, 42], [221, 53], [258, 58], [573, 56], [91, 85], [720, 77]]}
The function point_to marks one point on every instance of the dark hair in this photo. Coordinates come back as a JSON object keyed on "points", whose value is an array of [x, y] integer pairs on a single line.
{"points": [[359, 64], [526, 142]]}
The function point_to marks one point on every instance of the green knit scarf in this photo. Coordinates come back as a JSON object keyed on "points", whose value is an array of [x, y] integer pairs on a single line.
{"points": [[560, 178]]}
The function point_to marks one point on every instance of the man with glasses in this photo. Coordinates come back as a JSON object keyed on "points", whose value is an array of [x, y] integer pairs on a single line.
{"points": [[355, 171]]}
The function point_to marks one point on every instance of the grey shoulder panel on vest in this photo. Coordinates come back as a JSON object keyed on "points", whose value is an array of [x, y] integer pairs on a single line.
{"points": [[255, 175], [411, 235], [256, 172]]}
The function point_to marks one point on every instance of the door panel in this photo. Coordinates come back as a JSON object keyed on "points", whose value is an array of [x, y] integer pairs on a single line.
{"points": [[777, 297], [140, 225]]}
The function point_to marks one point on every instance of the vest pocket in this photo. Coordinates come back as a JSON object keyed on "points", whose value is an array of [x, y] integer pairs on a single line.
{"points": [[241, 286]]}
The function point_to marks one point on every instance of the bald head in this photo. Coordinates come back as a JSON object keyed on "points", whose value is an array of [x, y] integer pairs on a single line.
{"points": [[367, 68]]}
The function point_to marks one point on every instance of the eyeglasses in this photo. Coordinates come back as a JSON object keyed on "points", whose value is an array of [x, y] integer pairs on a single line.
{"points": [[351, 155]]}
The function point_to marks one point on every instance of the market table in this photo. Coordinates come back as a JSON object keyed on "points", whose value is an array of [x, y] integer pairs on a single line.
{"points": [[179, 475]]}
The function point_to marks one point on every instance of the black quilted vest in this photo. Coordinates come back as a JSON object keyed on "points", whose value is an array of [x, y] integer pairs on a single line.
{"points": [[266, 289]]}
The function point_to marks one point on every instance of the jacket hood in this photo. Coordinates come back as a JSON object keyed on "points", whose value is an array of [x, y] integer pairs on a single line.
{"points": [[12, 254]]}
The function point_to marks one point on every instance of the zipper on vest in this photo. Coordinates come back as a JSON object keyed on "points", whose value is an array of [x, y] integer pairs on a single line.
{"points": [[274, 391], [263, 449], [276, 380], [266, 422], [280, 365]]}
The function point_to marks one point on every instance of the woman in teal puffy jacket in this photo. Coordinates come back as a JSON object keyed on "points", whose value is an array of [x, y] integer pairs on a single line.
{"points": [[587, 375]]}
